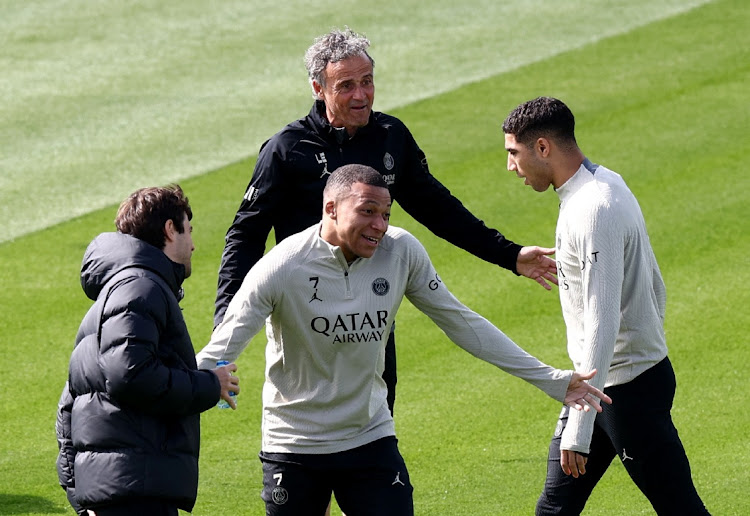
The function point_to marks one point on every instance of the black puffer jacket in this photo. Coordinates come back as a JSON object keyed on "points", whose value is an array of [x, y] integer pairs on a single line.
{"points": [[128, 422]]}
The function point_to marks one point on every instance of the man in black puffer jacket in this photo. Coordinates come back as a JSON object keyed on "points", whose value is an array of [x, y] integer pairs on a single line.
{"points": [[128, 422]]}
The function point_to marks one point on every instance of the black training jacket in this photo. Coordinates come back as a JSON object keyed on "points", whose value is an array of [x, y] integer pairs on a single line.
{"points": [[128, 422], [286, 193]]}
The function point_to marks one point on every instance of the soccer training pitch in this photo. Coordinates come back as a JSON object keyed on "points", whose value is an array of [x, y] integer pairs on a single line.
{"points": [[101, 98]]}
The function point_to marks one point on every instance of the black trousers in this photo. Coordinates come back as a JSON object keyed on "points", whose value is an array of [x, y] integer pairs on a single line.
{"points": [[371, 480], [638, 428]]}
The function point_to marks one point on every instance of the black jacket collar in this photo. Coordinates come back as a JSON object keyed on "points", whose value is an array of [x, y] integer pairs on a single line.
{"points": [[110, 253], [323, 127]]}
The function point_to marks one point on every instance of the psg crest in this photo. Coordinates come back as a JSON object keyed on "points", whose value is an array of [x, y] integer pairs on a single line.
{"points": [[279, 495], [380, 286], [388, 161]]}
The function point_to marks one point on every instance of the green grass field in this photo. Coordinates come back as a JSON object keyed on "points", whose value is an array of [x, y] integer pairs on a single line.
{"points": [[660, 97]]}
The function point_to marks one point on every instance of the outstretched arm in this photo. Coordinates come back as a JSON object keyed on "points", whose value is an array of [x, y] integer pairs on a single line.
{"points": [[478, 336], [426, 199], [534, 263]]}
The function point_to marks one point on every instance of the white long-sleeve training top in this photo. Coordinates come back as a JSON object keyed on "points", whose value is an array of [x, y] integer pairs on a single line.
{"points": [[327, 324], [611, 291]]}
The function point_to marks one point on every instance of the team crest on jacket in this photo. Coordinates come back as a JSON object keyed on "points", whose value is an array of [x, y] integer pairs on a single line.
{"points": [[388, 161], [279, 495], [381, 286]]}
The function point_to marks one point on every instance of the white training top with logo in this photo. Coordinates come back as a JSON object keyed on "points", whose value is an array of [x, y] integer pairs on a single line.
{"points": [[327, 324], [611, 291]]}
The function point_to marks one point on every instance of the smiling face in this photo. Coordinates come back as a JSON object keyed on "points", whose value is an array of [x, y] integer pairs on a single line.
{"points": [[528, 162], [348, 93], [357, 222]]}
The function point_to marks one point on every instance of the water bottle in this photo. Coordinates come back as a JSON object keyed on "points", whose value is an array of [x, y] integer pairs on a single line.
{"points": [[222, 403]]}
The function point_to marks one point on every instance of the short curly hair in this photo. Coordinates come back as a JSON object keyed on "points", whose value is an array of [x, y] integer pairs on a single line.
{"points": [[333, 47], [541, 117]]}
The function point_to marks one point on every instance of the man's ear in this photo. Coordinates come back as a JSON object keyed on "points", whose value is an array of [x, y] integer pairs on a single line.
{"points": [[318, 89], [330, 209], [169, 230], [542, 146]]}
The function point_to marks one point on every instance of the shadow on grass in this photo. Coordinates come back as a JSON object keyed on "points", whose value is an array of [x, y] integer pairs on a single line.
{"points": [[25, 504]]}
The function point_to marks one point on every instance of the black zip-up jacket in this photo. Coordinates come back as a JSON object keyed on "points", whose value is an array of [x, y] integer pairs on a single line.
{"points": [[128, 422], [286, 193]]}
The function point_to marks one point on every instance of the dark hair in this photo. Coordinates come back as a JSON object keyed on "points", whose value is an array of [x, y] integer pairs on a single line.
{"points": [[541, 117], [145, 212], [341, 180]]}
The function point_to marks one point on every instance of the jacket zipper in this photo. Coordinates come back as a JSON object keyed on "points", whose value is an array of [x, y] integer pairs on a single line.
{"points": [[348, 286], [344, 265]]}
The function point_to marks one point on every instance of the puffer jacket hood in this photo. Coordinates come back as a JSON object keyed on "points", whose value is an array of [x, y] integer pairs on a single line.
{"points": [[110, 253], [128, 421]]}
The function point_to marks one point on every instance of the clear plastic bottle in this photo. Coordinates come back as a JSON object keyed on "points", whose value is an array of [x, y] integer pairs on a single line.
{"points": [[222, 403]]}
